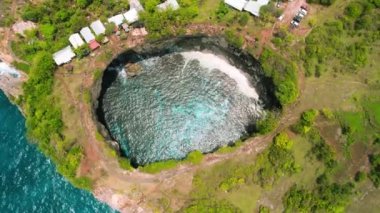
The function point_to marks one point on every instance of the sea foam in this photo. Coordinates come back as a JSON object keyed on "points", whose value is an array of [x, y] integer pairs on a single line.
{"points": [[214, 62]]}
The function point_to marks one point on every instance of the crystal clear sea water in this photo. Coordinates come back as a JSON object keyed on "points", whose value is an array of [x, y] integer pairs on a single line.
{"points": [[28, 180], [180, 102]]}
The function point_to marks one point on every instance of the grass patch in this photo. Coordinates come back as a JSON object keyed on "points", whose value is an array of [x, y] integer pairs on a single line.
{"points": [[157, 167], [230, 148]]}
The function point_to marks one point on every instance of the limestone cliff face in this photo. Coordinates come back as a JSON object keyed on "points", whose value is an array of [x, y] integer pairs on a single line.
{"points": [[11, 80]]}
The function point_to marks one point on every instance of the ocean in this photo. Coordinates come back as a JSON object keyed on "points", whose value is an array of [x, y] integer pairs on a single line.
{"points": [[28, 180]]}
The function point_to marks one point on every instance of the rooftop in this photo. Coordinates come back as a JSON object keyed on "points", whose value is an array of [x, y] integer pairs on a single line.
{"points": [[98, 27], [173, 4], [131, 16], [117, 20], [63, 56], [76, 40], [87, 34], [237, 4]]}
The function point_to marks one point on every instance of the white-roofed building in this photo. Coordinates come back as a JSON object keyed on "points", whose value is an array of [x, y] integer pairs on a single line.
{"points": [[87, 34], [76, 40], [237, 4], [63, 56], [131, 15], [136, 5], [254, 6], [173, 4], [117, 20], [98, 27]]}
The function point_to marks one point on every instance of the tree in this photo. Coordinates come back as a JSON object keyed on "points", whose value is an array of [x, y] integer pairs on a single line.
{"points": [[110, 28], [83, 3], [286, 92], [354, 10], [282, 141], [48, 31], [221, 11], [243, 19], [82, 51]]}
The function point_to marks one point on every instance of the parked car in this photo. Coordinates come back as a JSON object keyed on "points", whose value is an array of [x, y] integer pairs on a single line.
{"points": [[294, 23], [304, 12], [297, 19]]}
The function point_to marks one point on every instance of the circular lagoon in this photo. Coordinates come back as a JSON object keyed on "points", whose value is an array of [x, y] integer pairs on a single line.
{"points": [[163, 101]]}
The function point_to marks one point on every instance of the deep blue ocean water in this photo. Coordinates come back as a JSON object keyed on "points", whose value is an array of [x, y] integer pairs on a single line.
{"points": [[28, 180]]}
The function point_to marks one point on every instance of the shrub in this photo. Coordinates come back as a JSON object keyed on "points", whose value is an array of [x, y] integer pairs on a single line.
{"points": [[283, 74], [82, 51], [231, 183], [243, 19], [354, 10], [83, 183], [233, 38], [194, 157], [157, 167], [268, 124], [211, 206], [360, 176], [264, 209], [221, 11], [374, 174], [327, 113], [124, 163]]}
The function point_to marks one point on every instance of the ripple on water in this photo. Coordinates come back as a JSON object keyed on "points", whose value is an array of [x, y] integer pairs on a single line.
{"points": [[179, 103], [28, 181]]}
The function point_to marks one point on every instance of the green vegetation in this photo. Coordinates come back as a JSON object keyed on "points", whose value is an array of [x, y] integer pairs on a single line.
{"points": [[21, 66], [343, 44], [233, 38], [268, 124], [306, 122], [320, 149], [324, 198], [97, 74], [269, 12], [6, 18], [284, 75], [82, 51], [374, 174], [210, 206], [194, 157], [282, 38], [360, 176], [169, 22], [322, 2], [230, 148], [124, 163], [159, 166]]}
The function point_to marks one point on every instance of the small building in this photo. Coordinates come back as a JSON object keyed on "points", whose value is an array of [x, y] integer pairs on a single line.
{"points": [[173, 4], [75, 40], [237, 4], [98, 27], [94, 45], [117, 20], [136, 5], [131, 16], [87, 34], [63, 56], [253, 7]]}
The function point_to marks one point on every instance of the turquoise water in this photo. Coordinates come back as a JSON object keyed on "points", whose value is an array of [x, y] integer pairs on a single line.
{"points": [[180, 102], [28, 180]]}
